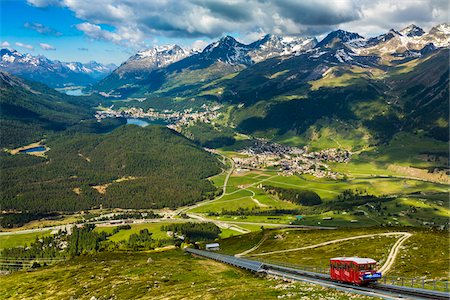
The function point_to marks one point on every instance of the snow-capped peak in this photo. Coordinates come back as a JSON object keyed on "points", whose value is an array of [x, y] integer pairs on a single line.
{"points": [[153, 58], [275, 45], [412, 30], [338, 36]]}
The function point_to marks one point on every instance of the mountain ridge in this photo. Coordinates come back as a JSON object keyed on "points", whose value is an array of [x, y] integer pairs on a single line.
{"points": [[52, 72]]}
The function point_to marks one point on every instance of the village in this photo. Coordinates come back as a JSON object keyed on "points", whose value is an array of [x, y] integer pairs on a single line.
{"points": [[174, 119], [291, 160]]}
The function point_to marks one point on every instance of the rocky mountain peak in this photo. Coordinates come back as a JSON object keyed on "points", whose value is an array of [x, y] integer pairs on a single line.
{"points": [[412, 30], [338, 37]]}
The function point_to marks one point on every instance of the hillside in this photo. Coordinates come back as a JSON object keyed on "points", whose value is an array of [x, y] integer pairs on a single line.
{"points": [[409, 97], [131, 167], [30, 110], [169, 275]]}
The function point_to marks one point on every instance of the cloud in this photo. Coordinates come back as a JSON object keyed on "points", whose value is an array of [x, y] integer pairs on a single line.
{"points": [[83, 49], [29, 47], [5, 44], [46, 47], [41, 29], [199, 44], [132, 22], [44, 3]]}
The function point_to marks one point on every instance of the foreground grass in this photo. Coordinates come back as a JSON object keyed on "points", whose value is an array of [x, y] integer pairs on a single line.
{"points": [[170, 275]]}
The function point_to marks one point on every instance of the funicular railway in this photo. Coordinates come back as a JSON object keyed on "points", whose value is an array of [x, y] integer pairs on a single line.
{"points": [[385, 291]]}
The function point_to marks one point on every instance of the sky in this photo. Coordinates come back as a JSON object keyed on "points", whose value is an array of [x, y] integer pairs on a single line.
{"points": [[110, 31]]}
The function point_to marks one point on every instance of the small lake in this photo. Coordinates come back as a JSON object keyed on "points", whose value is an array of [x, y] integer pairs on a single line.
{"points": [[145, 122], [76, 92], [34, 149], [138, 122]]}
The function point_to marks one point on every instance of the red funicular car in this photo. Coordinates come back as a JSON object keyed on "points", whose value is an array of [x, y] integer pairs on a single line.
{"points": [[354, 270]]}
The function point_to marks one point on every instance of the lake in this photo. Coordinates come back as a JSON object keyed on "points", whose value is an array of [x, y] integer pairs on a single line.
{"points": [[145, 122], [34, 149], [138, 122], [76, 92]]}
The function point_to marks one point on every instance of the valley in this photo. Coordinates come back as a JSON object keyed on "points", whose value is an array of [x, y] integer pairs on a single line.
{"points": [[283, 150]]}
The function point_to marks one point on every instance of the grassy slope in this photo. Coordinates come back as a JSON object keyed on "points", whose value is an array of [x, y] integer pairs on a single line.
{"points": [[30, 110], [425, 254], [171, 275], [19, 240]]}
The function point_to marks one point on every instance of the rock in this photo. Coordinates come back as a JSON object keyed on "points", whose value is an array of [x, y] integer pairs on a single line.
{"points": [[149, 260]]}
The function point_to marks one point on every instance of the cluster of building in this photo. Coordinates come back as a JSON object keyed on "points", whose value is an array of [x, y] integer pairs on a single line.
{"points": [[291, 160], [176, 119]]}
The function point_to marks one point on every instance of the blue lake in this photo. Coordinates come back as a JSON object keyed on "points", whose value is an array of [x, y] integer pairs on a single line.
{"points": [[138, 122], [34, 149], [146, 122], [77, 92]]}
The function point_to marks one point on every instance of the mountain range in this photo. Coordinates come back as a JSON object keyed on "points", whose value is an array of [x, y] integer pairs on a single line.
{"points": [[54, 73], [174, 71], [277, 87]]}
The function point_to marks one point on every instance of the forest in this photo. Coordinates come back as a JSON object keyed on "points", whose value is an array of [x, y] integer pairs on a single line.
{"points": [[131, 167]]}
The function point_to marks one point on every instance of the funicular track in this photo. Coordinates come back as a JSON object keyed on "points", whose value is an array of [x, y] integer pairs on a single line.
{"points": [[384, 291]]}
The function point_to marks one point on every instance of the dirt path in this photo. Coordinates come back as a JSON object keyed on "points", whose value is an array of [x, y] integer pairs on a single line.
{"points": [[254, 199], [403, 234], [263, 239], [394, 252]]}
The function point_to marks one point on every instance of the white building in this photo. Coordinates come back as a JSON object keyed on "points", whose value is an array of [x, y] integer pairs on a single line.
{"points": [[212, 247]]}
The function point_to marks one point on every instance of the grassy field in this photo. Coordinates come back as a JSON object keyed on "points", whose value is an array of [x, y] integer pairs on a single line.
{"points": [[415, 202], [170, 275], [16, 240], [154, 228], [426, 254], [282, 239], [376, 248]]}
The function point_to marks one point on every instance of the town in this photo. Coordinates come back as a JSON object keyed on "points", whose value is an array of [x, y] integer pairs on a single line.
{"points": [[291, 160], [175, 119]]}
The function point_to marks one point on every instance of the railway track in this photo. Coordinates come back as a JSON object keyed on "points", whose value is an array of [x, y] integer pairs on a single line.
{"points": [[384, 291]]}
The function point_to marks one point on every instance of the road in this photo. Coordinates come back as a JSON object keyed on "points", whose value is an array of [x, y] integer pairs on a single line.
{"points": [[224, 190]]}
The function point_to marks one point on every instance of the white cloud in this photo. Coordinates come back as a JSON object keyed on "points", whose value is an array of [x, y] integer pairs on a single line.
{"points": [[124, 36], [46, 46], [199, 44], [44, 3], [29, 47], [132, 22], [5, 44]]}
